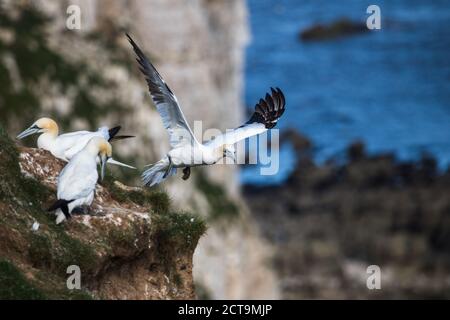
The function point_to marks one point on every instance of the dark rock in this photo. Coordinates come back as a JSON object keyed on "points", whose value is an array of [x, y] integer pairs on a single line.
{"points": [[340, 28], [356, 151], [338, 219], [299, 142]]}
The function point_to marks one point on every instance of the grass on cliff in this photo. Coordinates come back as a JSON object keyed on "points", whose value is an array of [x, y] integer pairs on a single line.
{"points": [[175, 234], [52, 249], [14, 285], [13, 185], [157, 199], [23, 200], [169, 226]]}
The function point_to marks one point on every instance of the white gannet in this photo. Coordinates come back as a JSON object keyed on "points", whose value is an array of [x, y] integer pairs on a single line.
{"points": [[65, 146], [77, 180], [186, 151]]}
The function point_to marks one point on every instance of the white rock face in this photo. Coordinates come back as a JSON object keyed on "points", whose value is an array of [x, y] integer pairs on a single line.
{"points": [[198, 47]]}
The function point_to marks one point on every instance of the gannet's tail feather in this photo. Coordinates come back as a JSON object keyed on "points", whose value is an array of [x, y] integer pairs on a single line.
{"points": [[158, 172], [62, 209]]}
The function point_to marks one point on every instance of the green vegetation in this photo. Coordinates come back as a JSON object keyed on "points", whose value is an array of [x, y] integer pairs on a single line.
{"points": [[13, 185], [158, 199], [221, 206], [175, 234], [26, 59], [178, 228], [55, 249], [52, 249], [14, 285]]}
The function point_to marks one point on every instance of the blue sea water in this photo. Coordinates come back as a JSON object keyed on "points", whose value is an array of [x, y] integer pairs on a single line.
{"points": [[388, 88]]}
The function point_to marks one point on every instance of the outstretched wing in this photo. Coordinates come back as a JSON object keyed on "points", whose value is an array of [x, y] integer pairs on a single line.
{"points": [[166, 103], [267, 112]]}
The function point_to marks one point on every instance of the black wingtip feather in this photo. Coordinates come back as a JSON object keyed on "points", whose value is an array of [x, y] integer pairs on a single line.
{"points": [[270, 109]]}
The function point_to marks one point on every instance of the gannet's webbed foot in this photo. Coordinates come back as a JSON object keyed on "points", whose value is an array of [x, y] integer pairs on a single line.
{"points": [[82, 210], [169, 168], [186, 173]]}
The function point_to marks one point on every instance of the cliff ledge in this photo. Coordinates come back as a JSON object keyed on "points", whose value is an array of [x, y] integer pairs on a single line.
{"points": [[131, 245]]}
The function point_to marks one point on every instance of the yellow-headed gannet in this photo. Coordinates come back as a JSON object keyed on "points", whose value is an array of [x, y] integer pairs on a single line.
{"points": [[65, 146], [186, 151], [77, 180]]}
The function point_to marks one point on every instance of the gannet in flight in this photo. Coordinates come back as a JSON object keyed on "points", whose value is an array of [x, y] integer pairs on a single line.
{"points": [[65, 146], [77, 180], [186, 151]]}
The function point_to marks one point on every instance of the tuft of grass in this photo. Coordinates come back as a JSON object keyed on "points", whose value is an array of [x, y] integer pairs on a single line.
{"points": [[39, 252], [158, 200], [128, 237], [73, 251], [221, 205], [9, 168], [55, 287], [14, 285], [178, 228], [12, 183], [58, 251]]}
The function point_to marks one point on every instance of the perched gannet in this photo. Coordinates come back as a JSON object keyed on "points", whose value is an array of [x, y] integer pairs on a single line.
{"points": [[77, 180], [186, 151], [65, 146]]}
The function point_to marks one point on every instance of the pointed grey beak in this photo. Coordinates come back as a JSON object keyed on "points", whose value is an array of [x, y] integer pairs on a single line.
{"points": [[31, 130], [103, 166], [117, 163]]}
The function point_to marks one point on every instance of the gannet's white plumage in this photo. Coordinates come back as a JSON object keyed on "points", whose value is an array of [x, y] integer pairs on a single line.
{"points": [[77, 180], [186, 151], [66, 145]]}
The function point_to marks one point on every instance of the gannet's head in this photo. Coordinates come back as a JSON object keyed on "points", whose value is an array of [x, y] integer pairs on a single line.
{"points": [[229, 151], [103, 150], [43, 125]]}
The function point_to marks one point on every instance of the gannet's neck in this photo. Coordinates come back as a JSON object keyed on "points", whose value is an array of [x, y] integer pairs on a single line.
{"points": [[98, 145], [92, 149], [47, 140]]}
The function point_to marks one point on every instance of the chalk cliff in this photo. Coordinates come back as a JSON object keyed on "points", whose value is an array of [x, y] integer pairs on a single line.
{"points": [[88, 77]]}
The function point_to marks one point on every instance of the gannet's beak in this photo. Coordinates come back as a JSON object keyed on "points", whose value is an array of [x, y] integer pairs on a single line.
{"points": [[117, 163], [104, 159], [31, 130], [231, 155]]}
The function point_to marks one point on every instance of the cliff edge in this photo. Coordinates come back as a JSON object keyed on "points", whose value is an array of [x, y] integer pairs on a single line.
{"points": [[131, 245]]}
